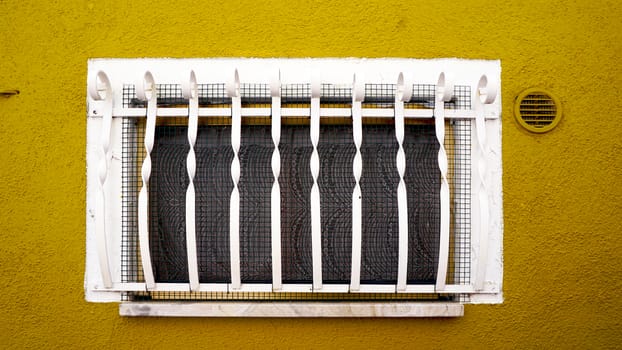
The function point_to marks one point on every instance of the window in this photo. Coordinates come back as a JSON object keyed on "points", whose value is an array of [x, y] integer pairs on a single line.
{"points": [[258, 187]]}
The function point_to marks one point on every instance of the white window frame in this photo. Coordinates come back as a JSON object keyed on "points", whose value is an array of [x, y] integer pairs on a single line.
{"points": [[104, 198]]}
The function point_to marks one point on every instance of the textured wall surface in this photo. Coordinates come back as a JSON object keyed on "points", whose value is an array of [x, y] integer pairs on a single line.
{"points": [[562, 190]]}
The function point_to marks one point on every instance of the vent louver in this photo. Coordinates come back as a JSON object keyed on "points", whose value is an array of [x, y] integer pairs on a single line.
{"points": [[537, 110]]}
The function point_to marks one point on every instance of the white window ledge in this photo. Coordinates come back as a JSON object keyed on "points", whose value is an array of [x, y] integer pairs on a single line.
{"points": [[292, 309]]}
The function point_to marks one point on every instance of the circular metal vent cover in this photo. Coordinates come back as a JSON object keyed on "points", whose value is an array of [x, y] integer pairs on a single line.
{"points": [[537, 110]]}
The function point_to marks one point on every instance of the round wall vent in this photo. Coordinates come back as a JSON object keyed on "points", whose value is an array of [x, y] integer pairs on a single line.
{"points": [[537, 110]]}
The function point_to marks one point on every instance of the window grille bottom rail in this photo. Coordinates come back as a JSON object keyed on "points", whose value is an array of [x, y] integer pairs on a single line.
{"points": [[286, 288]]}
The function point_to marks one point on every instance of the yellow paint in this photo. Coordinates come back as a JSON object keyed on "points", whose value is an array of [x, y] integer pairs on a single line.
{"points": [[562, 190]]}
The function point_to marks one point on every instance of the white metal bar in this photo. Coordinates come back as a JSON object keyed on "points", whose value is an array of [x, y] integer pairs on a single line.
{"points": [[233, 89], [444, 93], [191, 92], [402, 200], [142, 287], [316, 228], [253, 288], [485, 94], [165, 287], [213, 287], [296, 288], [449, 288], [375, 288], [358, 94], [146, 91], [129, 287], [335, 288], [336, 112], [293, 112], [418, 288], [169, 287], [458, 288], [162, 287], [275, 200], [287, 288], [100, 89]]}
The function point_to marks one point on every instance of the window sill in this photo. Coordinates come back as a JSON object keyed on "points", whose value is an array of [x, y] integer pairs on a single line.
{"points": [[291, 309]]}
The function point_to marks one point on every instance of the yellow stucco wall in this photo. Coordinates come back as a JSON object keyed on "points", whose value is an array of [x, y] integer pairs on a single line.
{"points": [[562, 190]]}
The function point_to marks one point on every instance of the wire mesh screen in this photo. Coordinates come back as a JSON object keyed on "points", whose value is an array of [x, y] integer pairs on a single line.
{"points": [[289, 296], [170, 95], [459, 143], [255, 94], [379, 180], [379, 95], [255, 187], [422, 97], [336, 182], [461, 99], [296, 94], [167, 196], [422, 180], [213, 185], [132, 152], [295, 181], [336, 95], [169, 181]]}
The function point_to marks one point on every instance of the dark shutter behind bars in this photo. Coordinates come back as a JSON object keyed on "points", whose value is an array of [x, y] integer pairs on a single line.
{"points": [[169, 182]]}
